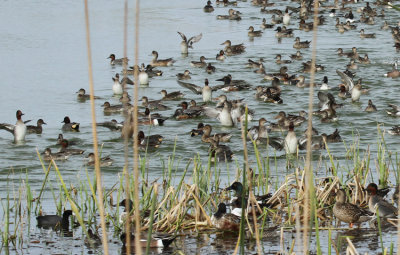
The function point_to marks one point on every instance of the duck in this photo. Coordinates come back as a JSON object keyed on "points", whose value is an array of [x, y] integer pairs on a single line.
{"points": [[370, 107], [343, 93], [104, 161], [220, 56], [349, 26], [352, 65], [219, 152], [117, 86], [48, 155], [286, 17], [108, 108], [151, 141], [83, 96], [185, 113], [232, 15], [210, 68], [334, 137], [117, 61], [395, 111], [261, 130], [125, 98], [184, 76], [19, 130], [306, 26], [206, 92], [225, 116], [301, 82], [143, 75], [208, 7], [254, 33], [198, 130], [301, 44], [296, 56], [289, 143], [153, 105], [395, 130], [363, 35], [364, 60], [156, 241], [254, 64], [394, 73], [264, 24], [269, 95], [285, 120], [54, 221], [282, 72], [279, 60], [92, 239], [232, 85], [237, 187], [113, 125], [186, 44], [378, 205], [160, 62], [152, 72], [207, 137], [69, 126], [324, 85], [283, 34], [327, 100], [356, 93], [64, 149], [233, 49], [202, 63], [348, 212], [308, 67], [225, 221], [31, 129], [171, 96]]}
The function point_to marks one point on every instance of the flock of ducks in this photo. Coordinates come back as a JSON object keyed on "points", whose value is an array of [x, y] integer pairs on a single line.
{"points": [[231, 113]]}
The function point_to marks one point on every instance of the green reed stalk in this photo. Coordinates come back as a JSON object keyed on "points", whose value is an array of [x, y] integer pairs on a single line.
{"points": [[380, 230], [329, 241], [6, 221]]}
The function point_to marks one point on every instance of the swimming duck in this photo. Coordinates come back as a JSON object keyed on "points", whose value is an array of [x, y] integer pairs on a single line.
{"points": [[232, 15], [303, 25], [151, 141], [157, 241], [220, 56], [225, 115], [395, 111], [334, 137], [301, 82], [36, 129], [210, 68], [349, 26], [325, 99], [198, 131], [233, 49], [160, 62], [237, 187], [307, 67], [352, 65], [117, 61], [68, 151], [324, 85], [186, 44], [232, 85], [125, 98], [201, 63], [394, 73], [153, 105], [276, 19], [282, 72], [296, 56], [327, 114], [69, 126], [171, 96], [143, 75], [219, 152], [92, 239], [113, 125], [206, 92], [371, 107], [184, 76], [185, 113], [48, 155], [254, 33], [378, 204], [279, 60], [108, 108], [152, 72], [208, 7], [19, 130], [343, 93], [283, 34], [261, 130], [264, 24], [207, 137], [104, 161], [395, 130], [356, 93], [126, 81], [269, 94], [117, 86], [83, 96], [285, 120], [253, 63], [289, 144], [363, 35], [347, 212], [364, 60], [54, 221]]}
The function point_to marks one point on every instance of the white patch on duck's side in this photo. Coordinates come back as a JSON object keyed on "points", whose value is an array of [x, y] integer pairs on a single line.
{"points": [[207, 94], [117, 87], [19, 131], [225, 117], [143, 78], [237, 212]]}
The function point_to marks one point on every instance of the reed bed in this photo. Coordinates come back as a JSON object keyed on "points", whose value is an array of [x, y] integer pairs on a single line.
{"points": [[182, 204]]}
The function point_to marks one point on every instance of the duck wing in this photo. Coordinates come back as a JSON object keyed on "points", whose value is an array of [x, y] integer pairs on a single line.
{"points": [[394, 107], [7, 127], [194, 88], [347, 80], [183, 36], [211, 112], [194, 39]]}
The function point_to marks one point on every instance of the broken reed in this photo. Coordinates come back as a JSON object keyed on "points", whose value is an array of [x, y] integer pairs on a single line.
{"points": [[189, 194]]}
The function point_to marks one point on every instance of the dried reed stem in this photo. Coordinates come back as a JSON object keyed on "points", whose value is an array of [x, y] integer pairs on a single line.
{"points": [[308, 168], [94, 132], [138, 250]]}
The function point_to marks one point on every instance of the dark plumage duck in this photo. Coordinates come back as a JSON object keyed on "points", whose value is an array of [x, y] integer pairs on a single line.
{"points": [[176, 95], [69, 126], [225, 221], [54, 221], [207, 137], [36, 129], [301, 44], [233, 49], [69, 151], [378, 205], [113, 125], [219, 152]]}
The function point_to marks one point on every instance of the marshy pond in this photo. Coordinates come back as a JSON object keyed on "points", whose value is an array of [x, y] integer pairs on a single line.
{"points": [[44, 63]]}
